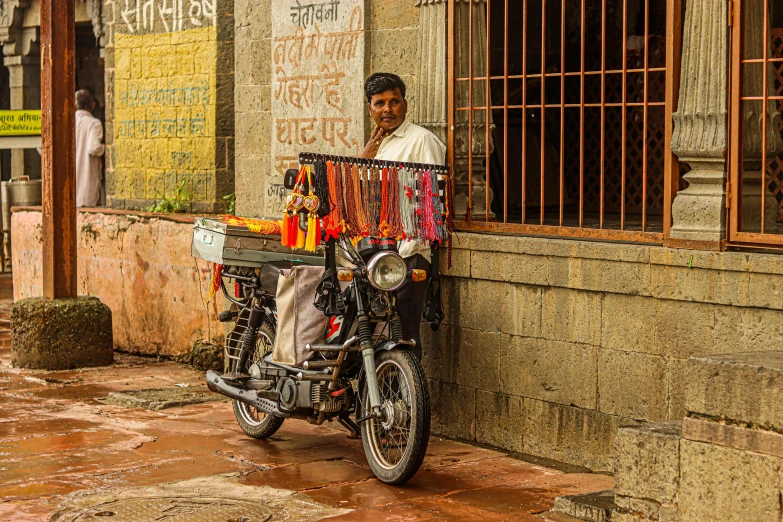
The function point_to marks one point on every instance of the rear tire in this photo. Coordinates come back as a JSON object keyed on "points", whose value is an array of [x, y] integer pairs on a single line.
{"points": [[395, 449], [255, 423]]}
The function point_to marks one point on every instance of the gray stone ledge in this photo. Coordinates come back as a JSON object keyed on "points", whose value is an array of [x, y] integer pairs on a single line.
{"points": [[620, 252]]}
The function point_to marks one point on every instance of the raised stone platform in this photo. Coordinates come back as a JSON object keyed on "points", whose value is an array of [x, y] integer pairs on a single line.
{"points": [[723, 462], [60, 334]]}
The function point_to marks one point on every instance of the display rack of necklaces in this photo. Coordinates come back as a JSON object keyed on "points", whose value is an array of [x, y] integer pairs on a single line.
{"points": [[359, 198]]}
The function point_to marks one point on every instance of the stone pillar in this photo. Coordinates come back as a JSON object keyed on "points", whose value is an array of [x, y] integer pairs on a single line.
{"points": [[23, 59], [752, 113], [700, 132], [462, 141], [430, 110]]}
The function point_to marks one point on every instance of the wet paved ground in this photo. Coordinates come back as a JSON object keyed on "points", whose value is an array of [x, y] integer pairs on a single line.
{"points": [[57, 439]]}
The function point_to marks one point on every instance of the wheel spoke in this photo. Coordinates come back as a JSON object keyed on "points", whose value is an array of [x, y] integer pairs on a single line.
{"points": [[390, 439]]}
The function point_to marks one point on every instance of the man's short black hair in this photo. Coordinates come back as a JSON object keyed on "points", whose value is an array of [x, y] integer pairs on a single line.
{"points": [[84, 100], [382, 82]]}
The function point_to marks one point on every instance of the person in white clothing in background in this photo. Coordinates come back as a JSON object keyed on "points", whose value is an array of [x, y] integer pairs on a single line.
{"points": [[89, 151], [397, 139]]}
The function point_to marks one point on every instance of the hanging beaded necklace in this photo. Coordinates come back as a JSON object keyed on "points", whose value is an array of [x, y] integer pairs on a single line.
{"points": [[351, 218], [436, 207], [358, 202], [393, 206], [331, 222]]}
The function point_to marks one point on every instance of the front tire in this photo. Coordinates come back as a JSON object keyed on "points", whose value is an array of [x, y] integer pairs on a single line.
{"points": [[395, 447], [255, 423]]}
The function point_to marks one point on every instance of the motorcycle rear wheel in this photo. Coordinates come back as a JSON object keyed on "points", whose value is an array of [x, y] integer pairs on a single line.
{"points": [[255, 423], [395, 448]]}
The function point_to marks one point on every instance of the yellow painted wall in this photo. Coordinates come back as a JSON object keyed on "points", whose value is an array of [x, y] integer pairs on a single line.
{"points": [[165, 88]]}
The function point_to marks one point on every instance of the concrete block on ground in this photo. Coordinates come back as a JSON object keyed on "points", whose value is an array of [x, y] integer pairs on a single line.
{"points": [[637, 506], [746, 387], [594, 507], [725, 485], [60, 334], [647, 461], [744, 439]]}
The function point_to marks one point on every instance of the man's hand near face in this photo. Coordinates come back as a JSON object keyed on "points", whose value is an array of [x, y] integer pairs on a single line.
{"points": [[371, 149]]}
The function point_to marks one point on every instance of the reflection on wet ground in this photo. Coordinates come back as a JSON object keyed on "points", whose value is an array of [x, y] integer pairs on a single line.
{"points": [[57, 438]]}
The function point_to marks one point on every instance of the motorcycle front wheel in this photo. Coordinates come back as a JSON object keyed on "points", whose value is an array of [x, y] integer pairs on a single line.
{"points": [[395, 444], [255, 423]]}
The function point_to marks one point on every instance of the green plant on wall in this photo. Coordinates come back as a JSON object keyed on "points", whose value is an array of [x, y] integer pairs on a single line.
{"points": [[230, 204], [174, 204]]}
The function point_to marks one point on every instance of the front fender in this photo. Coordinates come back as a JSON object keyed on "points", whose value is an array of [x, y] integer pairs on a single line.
{"points": [[391, 345]]}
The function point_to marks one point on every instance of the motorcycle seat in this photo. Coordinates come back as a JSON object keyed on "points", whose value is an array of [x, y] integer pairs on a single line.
{"points": [[270, 272]]}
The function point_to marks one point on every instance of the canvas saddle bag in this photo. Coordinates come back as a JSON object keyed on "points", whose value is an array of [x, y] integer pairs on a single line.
{"points": [[299, 323]]}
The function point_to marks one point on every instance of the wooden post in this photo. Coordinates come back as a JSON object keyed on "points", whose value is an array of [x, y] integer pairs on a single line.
{"points": [[58, 86]]}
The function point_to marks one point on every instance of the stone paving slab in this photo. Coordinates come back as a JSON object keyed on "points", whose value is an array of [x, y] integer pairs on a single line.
{"points": [[62, 449]]}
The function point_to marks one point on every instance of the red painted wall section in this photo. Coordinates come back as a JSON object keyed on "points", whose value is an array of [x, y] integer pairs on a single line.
{"points": [[139, 266]]}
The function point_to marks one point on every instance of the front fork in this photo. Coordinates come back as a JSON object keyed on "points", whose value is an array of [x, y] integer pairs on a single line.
{"points": [[364, 332]]}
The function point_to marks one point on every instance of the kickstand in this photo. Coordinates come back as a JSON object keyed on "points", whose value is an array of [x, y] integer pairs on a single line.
{"points": [[350, 425]]}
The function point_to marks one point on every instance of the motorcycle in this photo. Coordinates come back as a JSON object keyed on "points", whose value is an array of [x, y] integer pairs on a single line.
{"points": [[363, 375]]}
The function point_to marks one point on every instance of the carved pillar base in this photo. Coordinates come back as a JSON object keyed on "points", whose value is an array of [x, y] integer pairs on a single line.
{"points": [[699, 212], [700, 134], [751, 204]]}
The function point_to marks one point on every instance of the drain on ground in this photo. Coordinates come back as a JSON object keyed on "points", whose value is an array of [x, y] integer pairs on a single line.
{"points": [[175, 509]]}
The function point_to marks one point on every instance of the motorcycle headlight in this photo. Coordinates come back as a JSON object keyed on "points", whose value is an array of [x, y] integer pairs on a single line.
{"points": [[386, 271]]}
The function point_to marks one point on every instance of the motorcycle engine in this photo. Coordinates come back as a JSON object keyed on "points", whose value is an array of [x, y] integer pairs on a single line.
{"points": [[288, 392], [323, 400]]}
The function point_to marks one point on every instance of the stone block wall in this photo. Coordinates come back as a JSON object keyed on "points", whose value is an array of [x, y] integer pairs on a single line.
{"points": [[169, 102], [253, 110], [549, 345], [390, 40], [723, 461], [140, 266]]}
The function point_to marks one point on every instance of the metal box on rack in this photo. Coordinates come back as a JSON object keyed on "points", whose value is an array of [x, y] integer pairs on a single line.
{"points": [[226, 244]]}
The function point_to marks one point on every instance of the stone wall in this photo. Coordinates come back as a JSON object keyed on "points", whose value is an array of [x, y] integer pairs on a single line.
{"points": [[139, 265], [170, 102], [550, 345], [723, 461], [390, 45]]}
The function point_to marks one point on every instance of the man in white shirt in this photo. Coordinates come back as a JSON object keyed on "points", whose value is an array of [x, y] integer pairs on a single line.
{"points": [[89, 151], [397, 139]]}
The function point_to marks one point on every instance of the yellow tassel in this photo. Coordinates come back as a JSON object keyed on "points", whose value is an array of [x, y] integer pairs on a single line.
{"points": [[285, 228], [310, 244], [300, 237]]}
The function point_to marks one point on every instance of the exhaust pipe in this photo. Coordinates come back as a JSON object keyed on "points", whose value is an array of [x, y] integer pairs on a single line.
{"points": [[216, 384]]}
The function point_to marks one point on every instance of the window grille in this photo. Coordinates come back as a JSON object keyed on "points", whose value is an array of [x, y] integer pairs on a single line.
{"points": [[755, 189], [560, 116]]}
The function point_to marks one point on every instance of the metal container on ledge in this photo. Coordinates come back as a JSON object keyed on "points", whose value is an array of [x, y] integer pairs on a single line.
{"points": [[19, 192]]}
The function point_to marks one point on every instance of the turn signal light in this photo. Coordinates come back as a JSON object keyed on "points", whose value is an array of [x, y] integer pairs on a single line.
{"points": [[418, 275], [344, 274]]}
